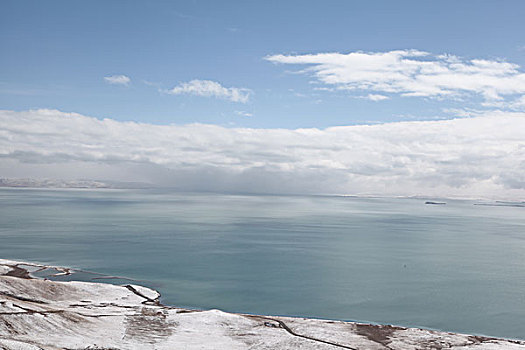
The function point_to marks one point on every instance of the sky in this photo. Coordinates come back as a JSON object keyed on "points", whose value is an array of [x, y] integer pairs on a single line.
{"points": [[278, 96]]}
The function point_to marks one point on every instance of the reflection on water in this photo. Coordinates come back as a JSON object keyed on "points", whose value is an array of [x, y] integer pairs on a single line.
{"points": [[456, 267]]}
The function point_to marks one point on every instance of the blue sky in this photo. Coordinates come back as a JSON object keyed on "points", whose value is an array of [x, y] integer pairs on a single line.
{"points": [[55, 54]]}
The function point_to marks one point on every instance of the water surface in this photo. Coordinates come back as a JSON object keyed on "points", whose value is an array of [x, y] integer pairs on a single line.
{"points": [[455, 267]]}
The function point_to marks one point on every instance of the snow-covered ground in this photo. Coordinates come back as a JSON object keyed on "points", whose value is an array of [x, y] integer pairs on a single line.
{"points": [[44, 314]]}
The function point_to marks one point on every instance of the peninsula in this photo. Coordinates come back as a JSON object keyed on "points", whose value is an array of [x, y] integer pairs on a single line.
{"points": [[38, 313]]}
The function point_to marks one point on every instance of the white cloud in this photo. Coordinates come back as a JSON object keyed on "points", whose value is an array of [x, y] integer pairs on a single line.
{"points": [[208, 88], [376, 97], [118, 79], [412, 73], [472, 157], [244, 113], [152, 83], [515, 104]]}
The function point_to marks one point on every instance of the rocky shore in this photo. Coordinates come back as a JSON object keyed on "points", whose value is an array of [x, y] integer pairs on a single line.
{"points": [[38, 313]]}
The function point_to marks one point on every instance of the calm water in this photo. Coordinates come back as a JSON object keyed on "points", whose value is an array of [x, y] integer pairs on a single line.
{"points": [[457, 267]]}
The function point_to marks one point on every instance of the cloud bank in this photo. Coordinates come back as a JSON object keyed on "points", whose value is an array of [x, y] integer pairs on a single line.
{"points": [[413, 73], [117, 79], [482, 156], [208, 88]]}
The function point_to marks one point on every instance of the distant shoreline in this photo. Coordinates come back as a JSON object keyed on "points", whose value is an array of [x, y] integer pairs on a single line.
{"points": [[102, 185]]}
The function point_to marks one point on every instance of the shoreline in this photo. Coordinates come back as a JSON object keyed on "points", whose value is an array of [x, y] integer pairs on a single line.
{"points": [[40, 313], [422, 197]]}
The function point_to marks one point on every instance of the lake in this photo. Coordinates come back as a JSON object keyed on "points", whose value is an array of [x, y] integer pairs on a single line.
{"points": [[456, 267]]}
